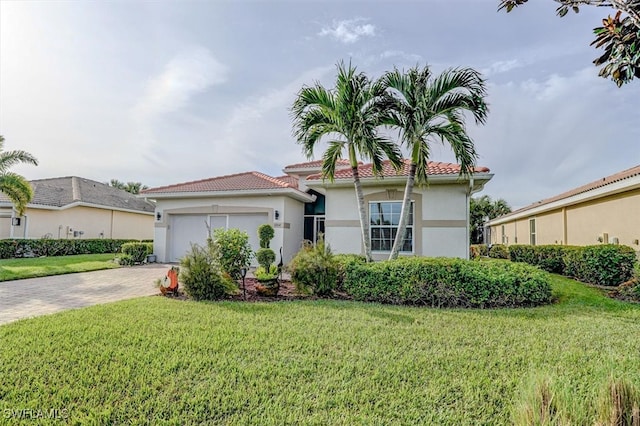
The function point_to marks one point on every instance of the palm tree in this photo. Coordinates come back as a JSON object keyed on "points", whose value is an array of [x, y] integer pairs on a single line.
{"points": [[348, 116], [14, 186], [427, 109]]}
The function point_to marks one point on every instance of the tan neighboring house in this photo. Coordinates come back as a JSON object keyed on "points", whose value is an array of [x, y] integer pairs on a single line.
{"points": [[604, 211], [74, 207], [300, 205]]}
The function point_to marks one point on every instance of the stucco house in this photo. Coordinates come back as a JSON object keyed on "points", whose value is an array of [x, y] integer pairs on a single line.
{"points": [[300, 204], [606, 210], [74, 207]]}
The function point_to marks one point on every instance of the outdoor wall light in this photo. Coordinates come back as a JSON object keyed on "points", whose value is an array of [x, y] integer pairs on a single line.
{"points": [[277, 214], [15, 221], [158, 215]]}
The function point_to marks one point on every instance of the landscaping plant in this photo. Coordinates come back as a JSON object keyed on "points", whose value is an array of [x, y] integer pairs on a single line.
{"points": [[233, 250], [314, 269], [267, 271], [202, 275]]}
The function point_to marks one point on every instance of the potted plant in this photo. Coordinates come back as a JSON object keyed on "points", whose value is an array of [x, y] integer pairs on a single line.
{"points": [[267, 273]]}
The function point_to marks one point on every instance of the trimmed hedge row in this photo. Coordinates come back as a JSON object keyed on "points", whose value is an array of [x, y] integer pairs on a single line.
{"points": [[49, 247], [440, 282], [604, 264]]}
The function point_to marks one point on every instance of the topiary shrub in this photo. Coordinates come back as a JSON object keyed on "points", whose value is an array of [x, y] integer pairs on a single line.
{"points": [[135, 252], [201, 274], [265, 234], [233, 249], [443, 282], [265, 257], [499, 251], [314, 269]]}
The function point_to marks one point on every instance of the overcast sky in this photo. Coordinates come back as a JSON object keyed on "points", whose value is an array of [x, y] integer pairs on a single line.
{"points": [[163, 92]]}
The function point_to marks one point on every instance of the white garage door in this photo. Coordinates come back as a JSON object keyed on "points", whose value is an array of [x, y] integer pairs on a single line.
{"points": [[187, 229]]}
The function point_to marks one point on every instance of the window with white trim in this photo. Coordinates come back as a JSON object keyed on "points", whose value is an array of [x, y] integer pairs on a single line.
{"points": [[384, 217], [532, 232]]}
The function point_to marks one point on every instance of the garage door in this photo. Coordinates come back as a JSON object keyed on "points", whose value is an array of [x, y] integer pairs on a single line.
{"points": [[187, 229]]}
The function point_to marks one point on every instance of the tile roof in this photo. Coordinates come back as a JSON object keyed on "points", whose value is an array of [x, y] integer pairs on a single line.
{"points": [[291, 180], [247, 181], [314, 164], [366, 170], [616, 177], [62, 191]]}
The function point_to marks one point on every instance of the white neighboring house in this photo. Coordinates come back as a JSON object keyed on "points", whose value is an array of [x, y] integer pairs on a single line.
{"points": [[300, 205], [74, 207]]}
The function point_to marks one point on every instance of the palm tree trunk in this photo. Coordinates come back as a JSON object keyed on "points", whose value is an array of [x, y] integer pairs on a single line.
{"points": [[364, 221], [404, 215]]}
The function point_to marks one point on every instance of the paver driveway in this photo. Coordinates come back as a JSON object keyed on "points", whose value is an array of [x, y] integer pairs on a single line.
{"points": [[39, 296]]}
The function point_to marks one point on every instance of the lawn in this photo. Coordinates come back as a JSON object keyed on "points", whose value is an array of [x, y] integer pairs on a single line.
{"points": [[156, 360], [14, 269]]}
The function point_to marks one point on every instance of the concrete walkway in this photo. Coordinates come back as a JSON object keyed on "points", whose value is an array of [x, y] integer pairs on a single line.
{"points": [[39, 296]]}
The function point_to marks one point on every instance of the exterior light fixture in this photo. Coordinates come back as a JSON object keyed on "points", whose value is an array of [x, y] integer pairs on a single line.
{"points": [[158, 215], [277, 214]]}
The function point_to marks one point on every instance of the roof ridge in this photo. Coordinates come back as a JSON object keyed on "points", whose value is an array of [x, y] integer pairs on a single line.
{"points": [[197, 181], [270, 179]]}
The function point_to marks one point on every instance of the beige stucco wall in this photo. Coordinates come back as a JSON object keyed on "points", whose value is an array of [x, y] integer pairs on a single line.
{"points": [[93, 222], [440, 219], [617, 215], [288, 228]]}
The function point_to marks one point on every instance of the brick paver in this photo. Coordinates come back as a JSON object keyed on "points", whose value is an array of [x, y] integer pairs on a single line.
{"points": [[39, 296]]}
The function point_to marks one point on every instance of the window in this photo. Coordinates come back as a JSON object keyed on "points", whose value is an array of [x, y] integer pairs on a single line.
{"points": [[532, 232], [504, 236], [383, 221]]}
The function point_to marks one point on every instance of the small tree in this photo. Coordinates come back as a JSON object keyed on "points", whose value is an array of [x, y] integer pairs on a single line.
{"points": [[234, 250], [202, 275]]}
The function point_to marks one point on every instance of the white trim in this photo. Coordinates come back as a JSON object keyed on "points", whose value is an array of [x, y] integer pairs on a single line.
{"points": [[291, 192], [80, 204], [610, 189], [412, 226], [479, 179]]}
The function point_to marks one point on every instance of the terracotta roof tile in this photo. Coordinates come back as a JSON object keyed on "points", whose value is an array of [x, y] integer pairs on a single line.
{"points": [[314, 164], [291, 180], [247, 181], [617, 177], [366, 170]]}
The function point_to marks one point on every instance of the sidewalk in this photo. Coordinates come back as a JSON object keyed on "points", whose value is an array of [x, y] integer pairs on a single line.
{"points": [[39, 296]]}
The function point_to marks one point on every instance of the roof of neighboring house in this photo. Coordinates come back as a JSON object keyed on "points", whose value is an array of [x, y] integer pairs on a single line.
{"points": [[64, 191], [604, 183], [317, 164], [366, 170]]}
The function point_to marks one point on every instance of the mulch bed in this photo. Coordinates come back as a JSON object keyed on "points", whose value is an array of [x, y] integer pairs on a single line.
{"points": [[287, 291]]}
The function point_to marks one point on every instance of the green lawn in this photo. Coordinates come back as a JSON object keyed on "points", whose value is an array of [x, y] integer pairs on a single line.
{"points": [[14, 269], [161, 361]]}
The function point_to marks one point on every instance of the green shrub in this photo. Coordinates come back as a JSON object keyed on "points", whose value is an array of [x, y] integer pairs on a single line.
{"points": [[607, 264], [58, 247], [522, 253], [202, 275], [265, 234], [343, 262], [443, 282], [478, 250], [266, 274], [499, 251], [233, 249], [265, 257], [137, 252], [314, 268]]}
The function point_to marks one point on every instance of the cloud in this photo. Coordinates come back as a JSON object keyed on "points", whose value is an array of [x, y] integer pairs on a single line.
{"points": [[186, 74], [413, 57], [499, 67], [349, 30]]}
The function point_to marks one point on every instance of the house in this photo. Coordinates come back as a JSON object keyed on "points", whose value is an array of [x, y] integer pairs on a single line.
{"points": [[74, 207], [300, 205], [604, 211]]}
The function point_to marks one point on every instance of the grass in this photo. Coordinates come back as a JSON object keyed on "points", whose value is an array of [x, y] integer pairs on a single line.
{"points": [[14, 269], [161, 361]]}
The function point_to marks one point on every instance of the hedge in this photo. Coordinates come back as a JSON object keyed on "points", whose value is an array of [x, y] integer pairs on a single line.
{"points": [[440, 282], [53, 247], [478, 250], [604, 264], [499, 251]]}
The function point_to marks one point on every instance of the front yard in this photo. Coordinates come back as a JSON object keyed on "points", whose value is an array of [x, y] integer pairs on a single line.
{"points": [[14, 269], [162, 361]]}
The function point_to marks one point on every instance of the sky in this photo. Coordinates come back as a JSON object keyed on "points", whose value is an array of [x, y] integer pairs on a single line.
{"points": [[162, 92]]}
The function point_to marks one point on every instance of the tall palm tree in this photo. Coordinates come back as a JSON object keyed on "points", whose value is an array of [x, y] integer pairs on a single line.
{"points": [[427, 109], [348, 116], [14, 186]]}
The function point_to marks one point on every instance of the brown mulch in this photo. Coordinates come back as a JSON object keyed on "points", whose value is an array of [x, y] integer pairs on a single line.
{"points": [[286, 292]]}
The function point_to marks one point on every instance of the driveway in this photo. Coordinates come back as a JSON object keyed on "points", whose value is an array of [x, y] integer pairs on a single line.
{"points": [[39, 296]]}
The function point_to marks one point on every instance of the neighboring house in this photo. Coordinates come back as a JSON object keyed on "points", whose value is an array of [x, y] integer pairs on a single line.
{"points": [[74, 207], [604, 211], [300, 205]]}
